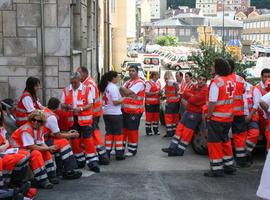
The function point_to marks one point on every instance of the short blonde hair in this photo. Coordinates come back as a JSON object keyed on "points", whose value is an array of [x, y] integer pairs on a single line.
{"points": [[37, 113], [168, 76]]}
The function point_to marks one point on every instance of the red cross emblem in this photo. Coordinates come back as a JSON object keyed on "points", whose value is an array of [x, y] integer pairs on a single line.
{"points": [[230, 88]]}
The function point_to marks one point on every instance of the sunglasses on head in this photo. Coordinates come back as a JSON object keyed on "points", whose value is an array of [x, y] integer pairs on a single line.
{"points": [[37, 120]]}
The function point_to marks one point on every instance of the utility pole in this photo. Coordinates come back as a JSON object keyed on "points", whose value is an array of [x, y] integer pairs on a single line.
{"points": [[223, 19]]}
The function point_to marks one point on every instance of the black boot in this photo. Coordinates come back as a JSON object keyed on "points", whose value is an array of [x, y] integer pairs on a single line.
{"points": [[178, 152], [72, 175], [230, 170], [243, 162], [214, 173], [94, 167], [104, 160], [166, 150]]}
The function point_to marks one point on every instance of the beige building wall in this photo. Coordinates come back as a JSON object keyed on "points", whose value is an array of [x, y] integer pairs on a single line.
{"points": [[131, 20], [119, 32], [145, 14]]}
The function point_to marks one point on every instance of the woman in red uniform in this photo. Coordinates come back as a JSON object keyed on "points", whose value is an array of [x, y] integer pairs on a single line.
{"points": [[152, 102], [28, 101], [113, 117], [172, 103]]}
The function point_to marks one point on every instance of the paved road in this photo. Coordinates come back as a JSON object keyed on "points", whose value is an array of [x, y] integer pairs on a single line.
{"points": [[154, 176]]}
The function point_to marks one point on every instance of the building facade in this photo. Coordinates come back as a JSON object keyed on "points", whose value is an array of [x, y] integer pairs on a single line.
{"points": [[185, 28], [47, 39], [208, 7], [256, 29]]}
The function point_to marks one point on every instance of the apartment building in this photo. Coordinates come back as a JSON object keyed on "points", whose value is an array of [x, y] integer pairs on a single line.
{"points": [[208, 7]]}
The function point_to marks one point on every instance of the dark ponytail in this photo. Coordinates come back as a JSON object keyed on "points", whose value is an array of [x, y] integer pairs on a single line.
{"points": [[105, 79]]}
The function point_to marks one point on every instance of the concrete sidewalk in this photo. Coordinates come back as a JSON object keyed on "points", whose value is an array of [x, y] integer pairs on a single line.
{"points": [[153, 175]]}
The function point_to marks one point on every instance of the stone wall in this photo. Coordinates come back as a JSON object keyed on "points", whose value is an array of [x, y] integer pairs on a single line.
{"points": [[21, 44]]}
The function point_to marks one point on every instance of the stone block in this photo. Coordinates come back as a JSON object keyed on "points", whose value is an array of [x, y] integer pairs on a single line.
{"points": [[64, 64], [51, 60], [6, 5], [33, 61], [63, 13], [3, 79], [4, 90], [56, 93], [14, 82], [1, 22], [28, 15], [64, 79], [51, 70], [51, 82], [9, 23], [27, 32], [20, 47], [20, 1], [12, 71], [39, 41], [33, 70], [1, 47], [50, 15], [49, 1], [57, 41], [13, 61]]}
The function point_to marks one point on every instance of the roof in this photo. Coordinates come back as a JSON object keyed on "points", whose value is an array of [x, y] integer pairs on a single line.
{"points": [[196, 21]]}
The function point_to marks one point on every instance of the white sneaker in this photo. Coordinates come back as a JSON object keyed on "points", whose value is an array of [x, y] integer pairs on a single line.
{"points": [[129, 154], [113, 152]]}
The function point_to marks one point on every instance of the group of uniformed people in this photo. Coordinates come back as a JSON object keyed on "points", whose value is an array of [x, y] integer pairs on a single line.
{"points": [[67, 129]]}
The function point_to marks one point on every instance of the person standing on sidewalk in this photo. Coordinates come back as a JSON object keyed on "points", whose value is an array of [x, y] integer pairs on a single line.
{"points": [[133, 108], [219, 118], [239, 128], [28, 101], [172, 104], [77, 99], [97, 112], [152, 104], [192, 118], [113, 117]]}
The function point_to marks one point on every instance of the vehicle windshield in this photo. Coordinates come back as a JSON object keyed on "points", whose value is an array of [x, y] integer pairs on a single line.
{"points": [[151, 61]]}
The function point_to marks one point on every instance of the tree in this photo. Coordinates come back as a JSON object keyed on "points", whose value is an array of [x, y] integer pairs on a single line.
{"points": [[204, 60], [166, 40], [176, 3]]}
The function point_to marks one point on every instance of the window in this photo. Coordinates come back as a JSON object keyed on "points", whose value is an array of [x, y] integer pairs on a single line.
{"points": [[113, 5], [187, 32], [182, 32]]}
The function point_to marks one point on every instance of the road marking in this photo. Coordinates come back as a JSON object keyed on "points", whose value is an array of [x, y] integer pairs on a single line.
{"points": [[87, 173]]}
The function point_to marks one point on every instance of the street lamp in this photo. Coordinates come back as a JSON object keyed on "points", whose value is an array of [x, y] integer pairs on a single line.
{"points": [[223, 19]]}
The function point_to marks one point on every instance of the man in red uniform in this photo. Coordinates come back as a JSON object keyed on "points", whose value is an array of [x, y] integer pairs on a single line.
{"points": [[219, 118], [191, 119], [64, 157], [239, 128], [152, 104], [133, 108], [30, 136], [265, 74], [77, 99], [97, 112]]}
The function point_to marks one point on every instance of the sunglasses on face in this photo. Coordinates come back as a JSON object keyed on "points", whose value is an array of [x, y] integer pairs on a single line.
{"points": [[37, 120]]}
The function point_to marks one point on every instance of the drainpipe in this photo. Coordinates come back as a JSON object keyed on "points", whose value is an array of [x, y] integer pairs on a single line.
{"points": [[97, 41], [108, 35], [42, 53]]}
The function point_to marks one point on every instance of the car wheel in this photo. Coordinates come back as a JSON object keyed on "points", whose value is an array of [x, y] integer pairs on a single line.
{"points": [[177, 67], [199, 141]]}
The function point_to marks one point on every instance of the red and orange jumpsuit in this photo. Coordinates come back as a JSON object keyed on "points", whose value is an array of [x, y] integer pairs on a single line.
{"points": [[152, 104], [21, 113], [172, 108], [252, 98], [196, 98], [239, 128], [41, 162], [65, 154], [219, 124], [97, 112], [133, 108], [83, 147]]}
